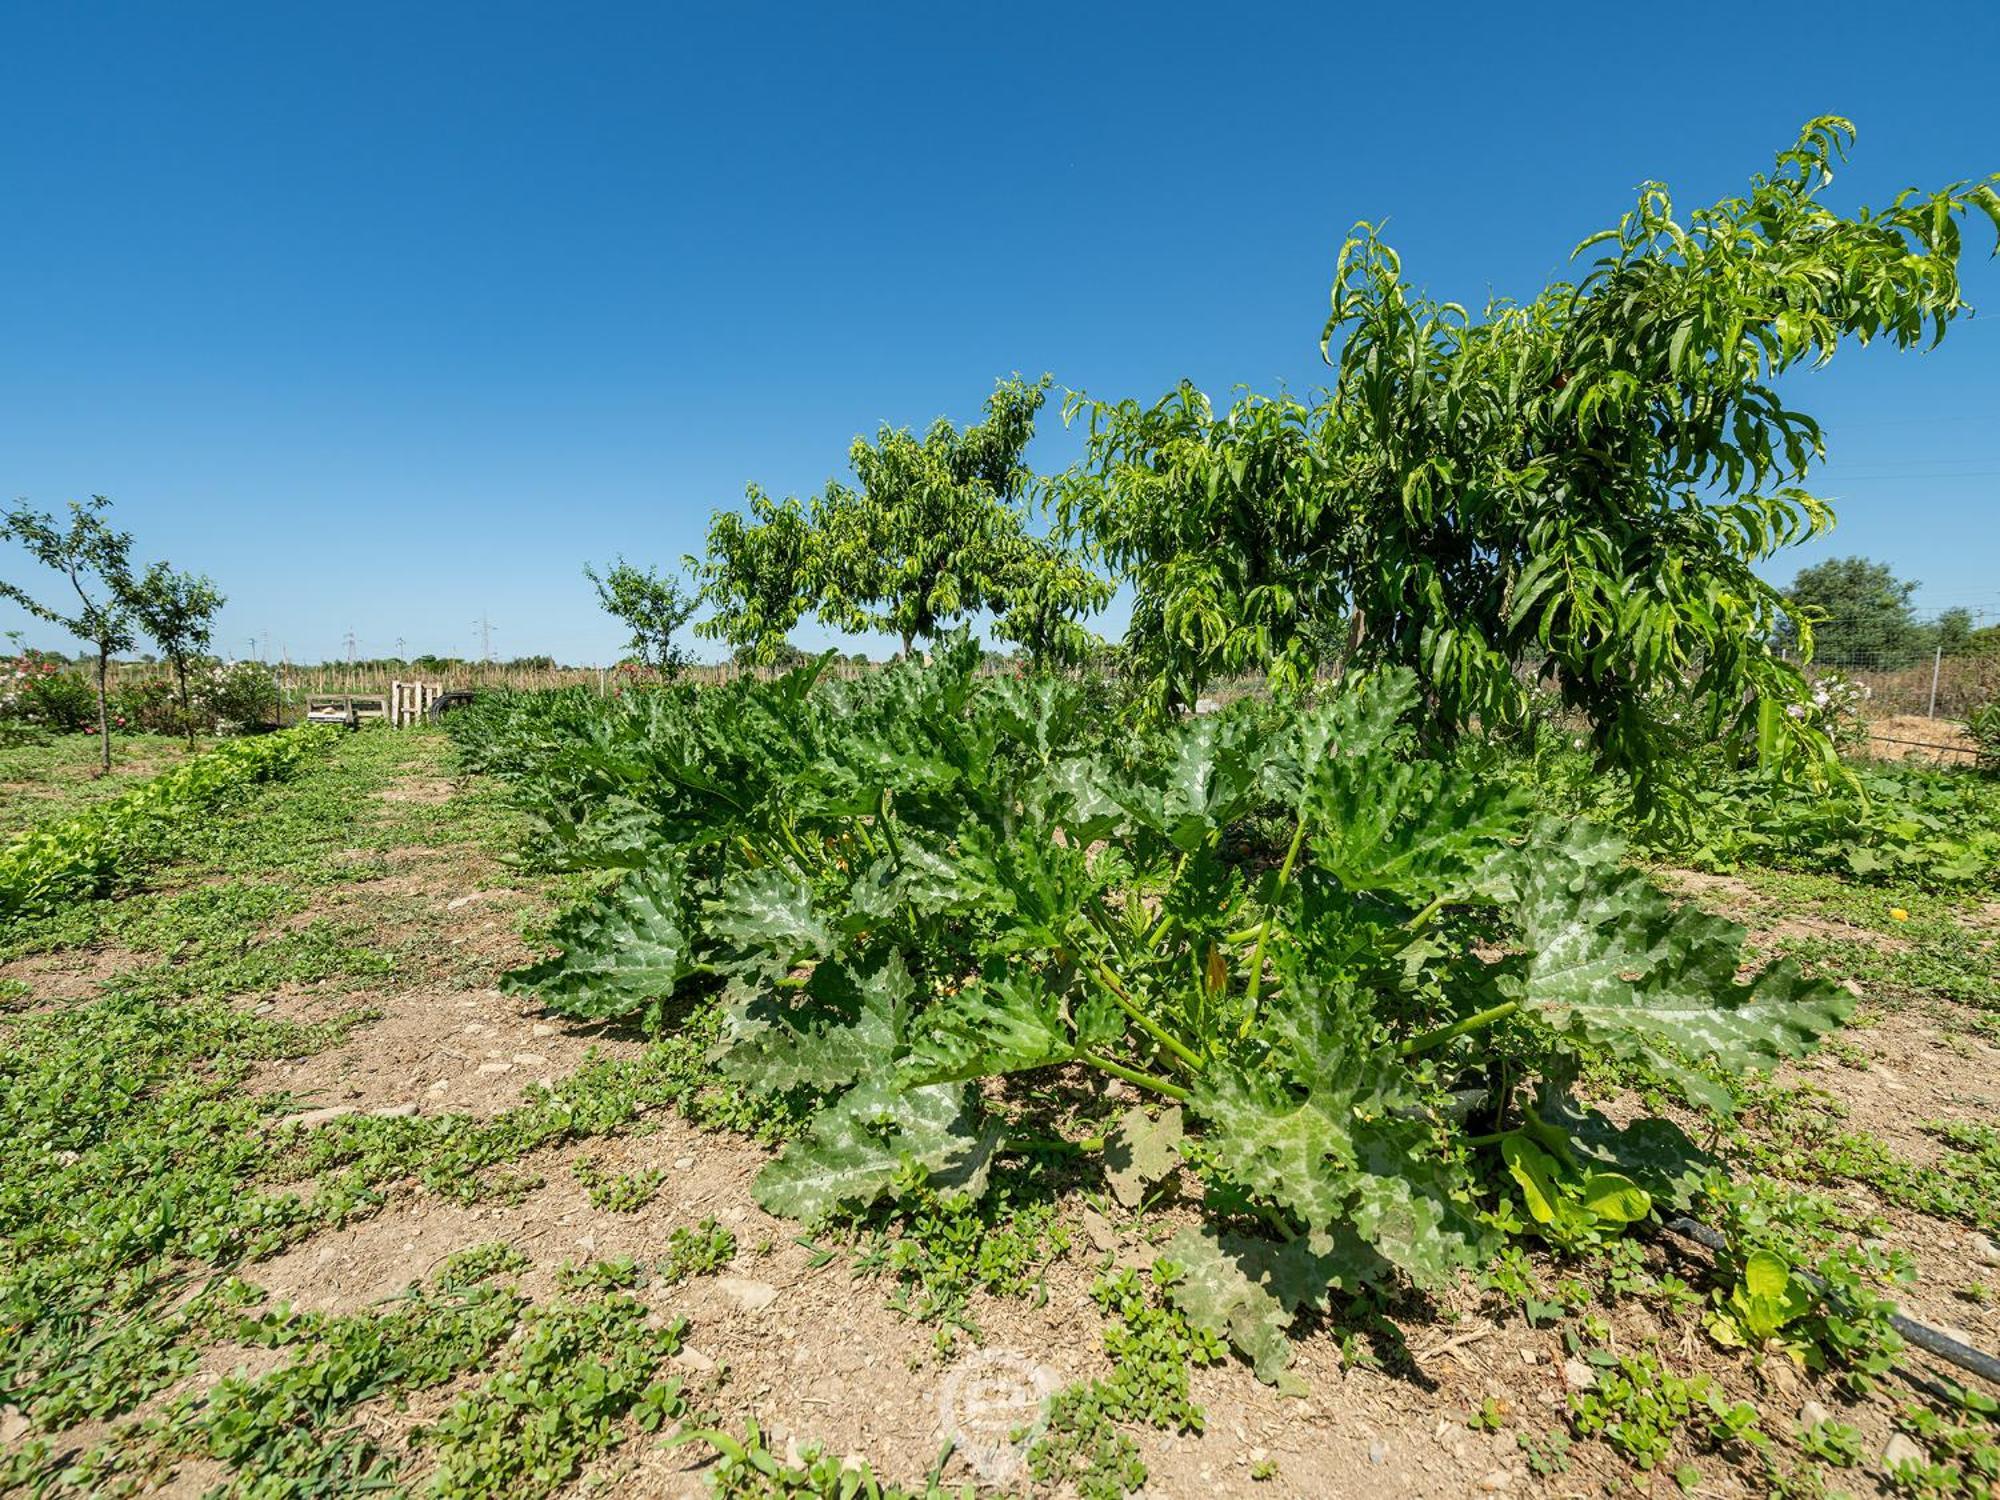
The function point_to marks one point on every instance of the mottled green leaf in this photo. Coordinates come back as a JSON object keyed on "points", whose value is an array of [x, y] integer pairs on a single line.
{"points": [[845, 1025], [1247, 1291], [627, 949], [855, 1149], [1612, 963], [1006, 1021], [768, 911], [1230, 1299], [1411, 1208], [1271, 1141]]}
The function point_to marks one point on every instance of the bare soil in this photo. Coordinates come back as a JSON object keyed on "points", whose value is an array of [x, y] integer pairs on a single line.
{"points": [[1914, 737], [817, 1357]]}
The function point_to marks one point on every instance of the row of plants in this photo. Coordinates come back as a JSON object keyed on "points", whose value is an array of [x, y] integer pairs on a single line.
{"points": [[1878, 824], [42, 691], [1354, 985], [88, 854]]}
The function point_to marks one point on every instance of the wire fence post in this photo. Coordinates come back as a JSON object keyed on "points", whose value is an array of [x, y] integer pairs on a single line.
{"points": [[1937, 661]]}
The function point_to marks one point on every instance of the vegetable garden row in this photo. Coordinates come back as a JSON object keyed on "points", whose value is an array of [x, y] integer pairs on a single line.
{"points": [[1355, 986]]}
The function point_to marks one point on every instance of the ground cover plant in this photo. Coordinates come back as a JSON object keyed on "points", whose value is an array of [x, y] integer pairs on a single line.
{"points": [[50, 776], [49, 867], [1877, 824]]}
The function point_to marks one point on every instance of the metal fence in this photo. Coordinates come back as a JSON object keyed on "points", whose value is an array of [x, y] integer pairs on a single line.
{"points": [[1935, 686]]}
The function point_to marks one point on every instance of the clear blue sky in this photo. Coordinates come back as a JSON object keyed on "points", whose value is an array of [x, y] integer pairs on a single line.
{"points": [[387, 316]]}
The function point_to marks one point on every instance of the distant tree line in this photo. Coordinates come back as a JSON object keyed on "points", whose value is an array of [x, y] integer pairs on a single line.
{"points": [[1854, 611]]}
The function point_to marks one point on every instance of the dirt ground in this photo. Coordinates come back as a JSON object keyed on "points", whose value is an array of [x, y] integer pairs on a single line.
{"points": [[813, 1355], [817, 1357], [1913, 737]]}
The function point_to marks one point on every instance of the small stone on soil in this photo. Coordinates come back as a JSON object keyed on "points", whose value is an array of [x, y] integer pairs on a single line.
{"points": [[316, 1117], [1902, 1449], [751, 1296]]}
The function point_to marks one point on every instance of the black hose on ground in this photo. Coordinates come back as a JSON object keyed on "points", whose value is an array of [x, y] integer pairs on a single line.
{"points": [[1943, 1345]]}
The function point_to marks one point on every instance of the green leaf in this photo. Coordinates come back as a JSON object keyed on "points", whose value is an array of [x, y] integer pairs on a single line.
{"points": [[1227, 1290], [769, 912], [1612, 1197], [1247, 1291], [919, 881], [845, 1026], [1612, 963], [1214, 776], [1766, 1275], [1535, 1173], [1006, 1021], [1411, 1209], [1037, 882], [1417, 829], [1295, 1151], [1321, 1128], [624, 951], [857, 1148], [1654, 1153]]}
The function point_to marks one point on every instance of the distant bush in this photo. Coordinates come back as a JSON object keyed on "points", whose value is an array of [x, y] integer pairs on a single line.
{"points": [[38, 689], [237, 697], [145, 707]]}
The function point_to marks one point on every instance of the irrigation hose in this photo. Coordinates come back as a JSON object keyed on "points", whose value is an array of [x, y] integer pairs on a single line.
{"points": [[1943, 1345]]}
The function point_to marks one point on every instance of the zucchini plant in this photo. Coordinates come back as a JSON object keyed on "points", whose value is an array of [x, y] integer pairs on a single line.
{"points": [[1354, 982]]}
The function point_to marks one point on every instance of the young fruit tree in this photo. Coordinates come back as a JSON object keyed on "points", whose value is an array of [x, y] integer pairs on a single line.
{"points": [[1047, 591], [929, 536], [1575, 490], [757, 576], [652, 607], [95, 561], [177, 612]]}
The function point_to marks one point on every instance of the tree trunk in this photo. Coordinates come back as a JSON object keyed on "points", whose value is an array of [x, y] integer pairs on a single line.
{"points": [[187, 708], [104, 709], [906, 645]]}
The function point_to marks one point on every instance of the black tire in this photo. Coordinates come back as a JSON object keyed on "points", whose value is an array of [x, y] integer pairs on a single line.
{"points": [[444, 703]]}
